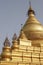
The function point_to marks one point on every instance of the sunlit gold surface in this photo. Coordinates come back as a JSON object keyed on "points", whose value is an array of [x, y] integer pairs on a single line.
{"points": [[27, 49], [32, 27], [6, 52], [22, 35]]}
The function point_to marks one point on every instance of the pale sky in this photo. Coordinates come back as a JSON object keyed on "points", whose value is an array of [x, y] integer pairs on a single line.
{"points": [[13, 13]]}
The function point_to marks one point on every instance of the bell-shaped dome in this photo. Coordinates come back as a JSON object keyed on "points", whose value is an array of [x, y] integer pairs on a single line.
{"points": [[32, 28]]}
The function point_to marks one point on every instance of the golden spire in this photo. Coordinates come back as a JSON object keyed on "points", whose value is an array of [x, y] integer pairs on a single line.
{"points": [[14, 37], [22, 35], [30, 9], [6, 53], [15, 42], [6, 42]]}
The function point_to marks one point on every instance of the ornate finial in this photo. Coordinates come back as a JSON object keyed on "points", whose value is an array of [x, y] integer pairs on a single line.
{"points": [[29, 3], [6, 42], [6, 53], [30, 9], [14, 37]]}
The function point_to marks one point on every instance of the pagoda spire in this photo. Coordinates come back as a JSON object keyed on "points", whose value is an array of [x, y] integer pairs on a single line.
{"points": [[30, 10], [6, 42], [15, 42], [14, 37], [22, 35], [29, 3], [6, 52]]}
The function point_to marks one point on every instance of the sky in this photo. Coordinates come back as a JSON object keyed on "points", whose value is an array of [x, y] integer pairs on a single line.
{"points": [[13, 13]]}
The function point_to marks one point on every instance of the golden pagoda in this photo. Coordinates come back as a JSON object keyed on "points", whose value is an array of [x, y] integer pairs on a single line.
{"points": [[27, 49]]}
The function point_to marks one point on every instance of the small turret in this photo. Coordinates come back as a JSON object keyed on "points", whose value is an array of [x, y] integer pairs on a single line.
{"points": [[6, 52], [15, 42], [22, 35]]}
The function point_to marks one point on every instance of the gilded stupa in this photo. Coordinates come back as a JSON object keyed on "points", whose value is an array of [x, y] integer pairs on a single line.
{"points": [[27, 48], [32, 28]]}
